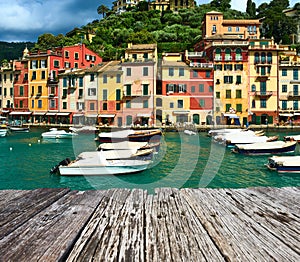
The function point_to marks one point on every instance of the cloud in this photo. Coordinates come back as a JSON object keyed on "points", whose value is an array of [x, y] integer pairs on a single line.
{"points": [[25, 20]]}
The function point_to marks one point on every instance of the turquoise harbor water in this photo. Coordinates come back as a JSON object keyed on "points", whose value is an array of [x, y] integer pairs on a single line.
{"points": [[183, 161]]}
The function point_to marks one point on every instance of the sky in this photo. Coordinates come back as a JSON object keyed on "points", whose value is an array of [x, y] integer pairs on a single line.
{"points": [[25, 20]]}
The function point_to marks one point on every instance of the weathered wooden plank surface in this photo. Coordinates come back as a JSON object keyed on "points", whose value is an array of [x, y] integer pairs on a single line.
{"points": [[17, 210], [255, 224], [237, 233], [51, 232]]}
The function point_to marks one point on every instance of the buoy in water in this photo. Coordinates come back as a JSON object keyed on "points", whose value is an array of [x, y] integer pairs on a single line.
{"points": [[10, 148]]}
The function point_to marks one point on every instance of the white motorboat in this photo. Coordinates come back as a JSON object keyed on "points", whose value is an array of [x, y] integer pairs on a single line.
{"points": [[54, 133], [3, 132], [95, 164], [284, 164], [189, 132], [125, 145], [83, 129], [292, 138], [265, 148]]}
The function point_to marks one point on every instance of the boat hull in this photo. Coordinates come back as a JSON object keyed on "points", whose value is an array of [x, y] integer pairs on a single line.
{"points": [[288, 165], [19, 129], [265, 151], [100, 170]]}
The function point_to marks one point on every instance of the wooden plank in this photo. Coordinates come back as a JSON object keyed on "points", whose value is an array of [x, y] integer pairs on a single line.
{"points": [[115, 232], [268, 213], [6, 195], [236, 234], [173, 232], [287, 197], [18, 210], [50, 234]]}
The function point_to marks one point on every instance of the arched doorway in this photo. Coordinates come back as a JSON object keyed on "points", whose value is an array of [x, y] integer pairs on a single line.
{"points": [[196, 119]]}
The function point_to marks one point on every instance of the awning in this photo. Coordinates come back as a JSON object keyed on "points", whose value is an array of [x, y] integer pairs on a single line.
{"points": [[143, 115], [5, 111], [287, 114], [63, 114], [92, 115], [78, 115], [182, 112], [106, 115], [19, 113], [51, 114], [231, 115], [296, 114], [39, 113]]}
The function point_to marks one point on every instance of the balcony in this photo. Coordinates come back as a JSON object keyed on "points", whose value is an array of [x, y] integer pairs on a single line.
{"points": [[202, 65], [263, 93], [228, 58], [218, 58], [293, 94]]}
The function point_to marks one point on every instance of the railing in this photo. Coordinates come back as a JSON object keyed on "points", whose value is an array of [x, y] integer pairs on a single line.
{"points": [[263, 93], [201, 65], [293, 94]]}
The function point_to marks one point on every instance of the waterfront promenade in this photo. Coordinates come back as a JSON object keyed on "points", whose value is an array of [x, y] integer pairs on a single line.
{"points": [[253, 224]]}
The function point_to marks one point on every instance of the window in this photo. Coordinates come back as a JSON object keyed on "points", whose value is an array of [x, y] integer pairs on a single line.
{"points": [[104, 79], [92, 77], [32, 103], [80, 81], [180, 103], [237, 29], [295, 105], [128, 71], [263, 71], [284, 72], [195, 73], [228, 79], [145, 71], [171, 71], [207, 74], [118, 79], [33, 75], [253, 104], [128, 90], [118, 106], [76, 55], [238, 79], [91, 91], [218, 67], [170, 88], [182, 88], [21, 91], [21, 104], [104, 107], [80, 93], [295, 74], [67, 54], [238, 67], [158, 102], [253, 88], [145, 89], [269, 58], [202, 103], [217, 94], [284, 88], [256, 58], [104, 93], [181, 71], [228, 67], [65, 82], [128, 104], [171, 105], [65, 92], [229, 29], [263, 87], [33, 64], [214, 29], [64, 105], [76, 65], [128, 120], [80, 106], [193, 89], [228, 93], [263, 103], [263, 57], [238, 93], [295, 90], [40, 103], [43, 75], [11, 91], [118, 94], [40, 89], [52, 104], [284, 104], [145, 104], [239, 108], [227, 107], [43, 63], [201, 88], [56, 63]]}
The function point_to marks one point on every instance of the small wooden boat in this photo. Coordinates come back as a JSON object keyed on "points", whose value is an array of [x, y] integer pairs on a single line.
{"points": [[265, 148], [189, 132], [153, 135], [18, 128], [54, 133], [284, 164], [292, 138]]}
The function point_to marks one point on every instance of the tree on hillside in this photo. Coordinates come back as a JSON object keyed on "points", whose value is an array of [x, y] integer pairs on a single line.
{"points": [[102, 10], [251, 9], [221, 5]]}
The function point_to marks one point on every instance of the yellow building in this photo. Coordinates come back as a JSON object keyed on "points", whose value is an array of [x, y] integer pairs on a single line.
{"points": [[263, 81]]}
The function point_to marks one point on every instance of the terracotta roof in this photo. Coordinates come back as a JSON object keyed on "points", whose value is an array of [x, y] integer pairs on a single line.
{"points": [[143, 46], [241, 22]]}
